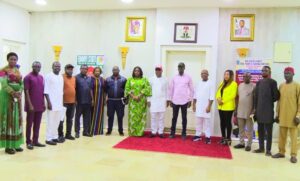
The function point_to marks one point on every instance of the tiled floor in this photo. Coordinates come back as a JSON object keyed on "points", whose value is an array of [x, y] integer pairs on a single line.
{"points": [[95, 159]]}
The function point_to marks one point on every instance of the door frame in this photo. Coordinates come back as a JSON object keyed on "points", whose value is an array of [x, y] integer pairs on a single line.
{"points": [[188, 48]]}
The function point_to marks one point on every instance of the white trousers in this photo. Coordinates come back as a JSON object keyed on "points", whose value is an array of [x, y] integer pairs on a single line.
{"points": [[203, 126], [53, 119], [157, 122]]}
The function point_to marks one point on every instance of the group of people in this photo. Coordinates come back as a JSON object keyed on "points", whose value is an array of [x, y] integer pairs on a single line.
{"points": [[85, 96], [250, 102]]}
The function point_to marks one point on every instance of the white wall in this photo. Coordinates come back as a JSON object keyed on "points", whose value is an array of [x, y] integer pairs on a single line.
{"points": [[90, 33], [277, 24], [208, 26], [15, 25]]}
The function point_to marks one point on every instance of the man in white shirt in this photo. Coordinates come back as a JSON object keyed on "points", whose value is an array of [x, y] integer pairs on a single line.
{"points": [[158, 102], [53, 91], [203, 99]]}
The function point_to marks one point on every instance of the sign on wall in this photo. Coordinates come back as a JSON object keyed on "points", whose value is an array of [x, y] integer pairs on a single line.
{"points": [[91, 61], [252, 66]]}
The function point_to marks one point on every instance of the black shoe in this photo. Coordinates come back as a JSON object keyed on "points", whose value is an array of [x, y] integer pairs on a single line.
{"points": [[69, 137], [259, 151], [207, 141], [152, 135], [19, 149], [172, 136], [293, 159], [268, 153], [61, 139], [197, 138], [29, 146], [39, 145], [226, 142], [55, 140], [121, 134], [10, 151], [77, 135], [87, 135], [51, 143], [183, 137], [221, 141], [107, 133], [278, 155], [248, 148], [239, 146], [161, 135]]}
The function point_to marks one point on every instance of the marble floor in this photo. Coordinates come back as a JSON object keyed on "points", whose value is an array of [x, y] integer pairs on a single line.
{"points": [[95, 159]]}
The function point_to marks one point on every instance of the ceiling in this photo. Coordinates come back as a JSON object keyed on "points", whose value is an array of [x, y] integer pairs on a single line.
{"points": [[67, 5]]}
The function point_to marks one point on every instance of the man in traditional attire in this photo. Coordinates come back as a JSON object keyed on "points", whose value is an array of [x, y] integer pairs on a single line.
{"points": [[266, 93], [54, 89], [34, 105], [243, 112], [203, 99], [288, 114], [158, 102]]}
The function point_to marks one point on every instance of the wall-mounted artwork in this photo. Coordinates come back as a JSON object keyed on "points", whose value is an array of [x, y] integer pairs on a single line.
{"points": [[242, 27], [185, 32], [135, 29]]}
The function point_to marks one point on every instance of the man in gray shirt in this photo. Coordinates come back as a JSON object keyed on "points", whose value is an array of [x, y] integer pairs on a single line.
{"points": [[244, 110]]}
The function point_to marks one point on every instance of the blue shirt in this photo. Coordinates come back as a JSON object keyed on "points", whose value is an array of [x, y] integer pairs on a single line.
{"points": [[83, 89], [115, 86]]}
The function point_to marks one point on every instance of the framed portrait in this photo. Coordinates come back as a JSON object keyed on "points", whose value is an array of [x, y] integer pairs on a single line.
{"points": [[185, 32], [242, 27], [135, 29]]}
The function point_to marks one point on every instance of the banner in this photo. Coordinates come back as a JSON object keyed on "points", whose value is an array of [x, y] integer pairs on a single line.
{"points": [[253, 66], [91, 61]]}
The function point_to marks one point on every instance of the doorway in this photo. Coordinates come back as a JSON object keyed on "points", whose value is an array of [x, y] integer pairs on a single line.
{"points": [[195, 59]]}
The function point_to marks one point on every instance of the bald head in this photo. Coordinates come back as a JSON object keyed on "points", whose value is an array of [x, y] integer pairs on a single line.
{"points": [[204, 75]]}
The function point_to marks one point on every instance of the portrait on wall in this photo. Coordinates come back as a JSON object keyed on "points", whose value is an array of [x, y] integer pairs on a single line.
{"points": [[135, 29], [185, 32], [242, 27]]}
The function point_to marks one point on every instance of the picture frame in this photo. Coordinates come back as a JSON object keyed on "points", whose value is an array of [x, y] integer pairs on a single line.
{"points": [[242, 27], [135, 29], [185, 32]]}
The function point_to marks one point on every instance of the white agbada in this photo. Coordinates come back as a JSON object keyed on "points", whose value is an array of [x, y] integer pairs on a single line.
{"points": [[159, 94], [203, 93], [54, 87]]}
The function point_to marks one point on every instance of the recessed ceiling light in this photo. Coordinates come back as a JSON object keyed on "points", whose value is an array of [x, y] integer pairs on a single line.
{"points": [[127, 1], [41, 2]]}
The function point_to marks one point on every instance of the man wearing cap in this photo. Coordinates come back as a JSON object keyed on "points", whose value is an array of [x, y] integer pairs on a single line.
{"points": [[158, 102], [181, 92], [288, 114], [69, 102], [115, 86], [265, 95]]}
